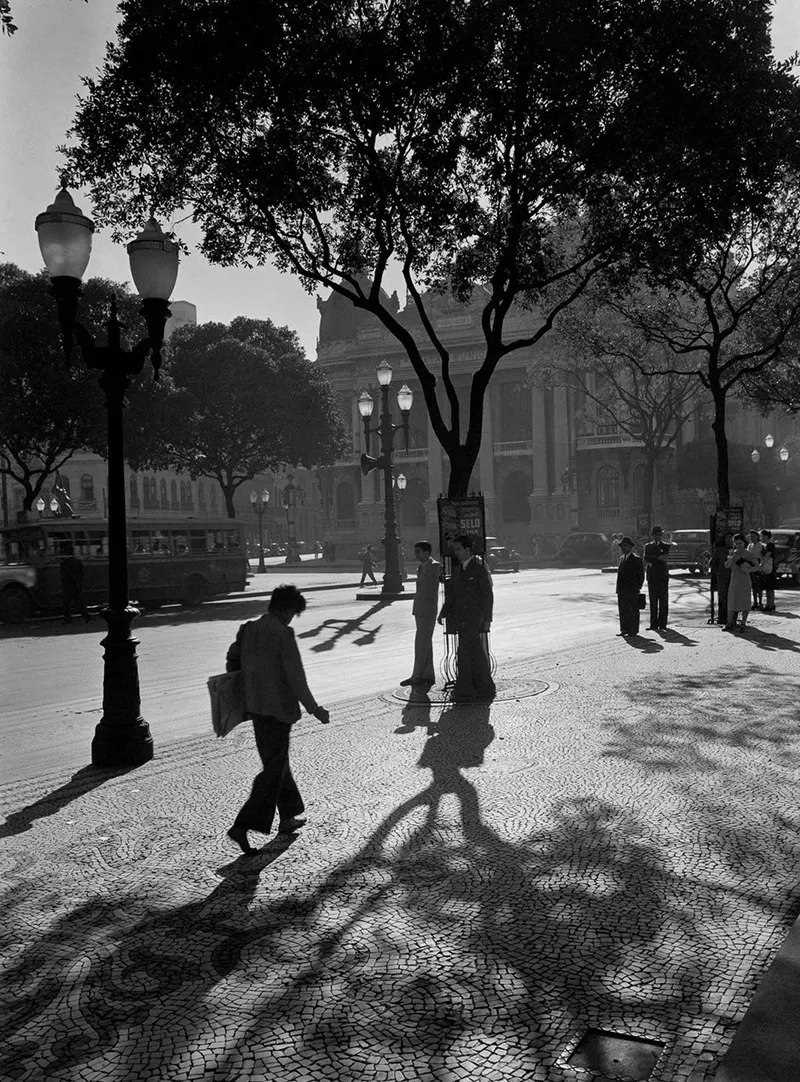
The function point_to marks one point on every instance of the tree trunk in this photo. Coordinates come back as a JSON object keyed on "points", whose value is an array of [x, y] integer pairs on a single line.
{"points": [[462, 463], [227, 492], [721, 439], [649, 484]]}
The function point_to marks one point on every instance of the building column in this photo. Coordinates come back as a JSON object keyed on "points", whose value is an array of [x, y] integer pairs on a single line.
{"points": [[539, 443]]}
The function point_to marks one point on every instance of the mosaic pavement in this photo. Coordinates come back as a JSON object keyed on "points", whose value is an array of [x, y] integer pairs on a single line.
{"points": [[476, 886]]}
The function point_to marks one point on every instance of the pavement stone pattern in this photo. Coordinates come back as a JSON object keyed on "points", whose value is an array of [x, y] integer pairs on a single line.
{"points": [[476, 886]]}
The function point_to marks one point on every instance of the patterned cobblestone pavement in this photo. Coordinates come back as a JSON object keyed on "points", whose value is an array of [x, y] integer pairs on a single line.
{"points": [[476, 885]]}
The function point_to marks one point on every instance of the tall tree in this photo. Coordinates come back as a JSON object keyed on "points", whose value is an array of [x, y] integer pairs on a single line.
{"points": [[236, 400], [619, 379], [731, 310], [515, 144], [48, 412]]}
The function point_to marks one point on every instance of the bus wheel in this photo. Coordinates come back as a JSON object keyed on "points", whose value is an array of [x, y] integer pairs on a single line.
{"points": [[196, 591], [15, 605]]}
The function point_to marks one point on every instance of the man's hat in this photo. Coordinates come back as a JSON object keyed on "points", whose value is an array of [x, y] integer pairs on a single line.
{"points": [[626, 540], [656, 529]]}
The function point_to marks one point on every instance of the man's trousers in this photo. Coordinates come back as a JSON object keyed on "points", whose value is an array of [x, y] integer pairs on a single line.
{"points": [[423, 649], [274, 787]]}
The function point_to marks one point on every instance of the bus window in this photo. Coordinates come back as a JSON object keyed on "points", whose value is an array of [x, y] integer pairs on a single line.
{"points": [[80, 541], [96, 543], [180, 543], [197, 542], [161, 544], [60, 543], [215, 540], [233, 540], [141, 542]]}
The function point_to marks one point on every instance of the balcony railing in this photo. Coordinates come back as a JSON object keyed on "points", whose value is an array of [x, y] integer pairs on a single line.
{"points": [[615, 439], [346, 524], [513, 447], [608, 512], [353, 458], [415, 454]]}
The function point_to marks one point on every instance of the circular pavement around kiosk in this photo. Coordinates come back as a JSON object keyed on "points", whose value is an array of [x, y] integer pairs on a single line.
{"points": [[508, 690]]}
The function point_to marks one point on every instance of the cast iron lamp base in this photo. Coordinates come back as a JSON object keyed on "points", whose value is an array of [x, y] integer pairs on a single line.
{"points": [[122, 737]]}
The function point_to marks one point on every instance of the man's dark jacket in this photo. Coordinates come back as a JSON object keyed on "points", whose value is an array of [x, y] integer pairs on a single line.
{"points": [[469, 597], [630, 574]]}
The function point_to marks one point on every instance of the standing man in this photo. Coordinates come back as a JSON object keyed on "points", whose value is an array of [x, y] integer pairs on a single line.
{"points": [[71, 569], [721, 575], [468, 605], [274, 686], [426, 605], [655, 558], [630, 576], [368, 566]]}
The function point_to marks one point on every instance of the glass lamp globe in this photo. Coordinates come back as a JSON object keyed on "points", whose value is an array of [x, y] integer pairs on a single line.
{"points": [[253, 496], [40, 505], [768, 441], [755, 457], [154, 263], [365, 404], [405, 398], [401, 481], [54, 505], [783, 454], [65, 237], [384, 373], [265, 495]]}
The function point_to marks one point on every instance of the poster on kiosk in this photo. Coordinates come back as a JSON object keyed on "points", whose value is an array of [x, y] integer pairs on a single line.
{"points": [[461, 515]]}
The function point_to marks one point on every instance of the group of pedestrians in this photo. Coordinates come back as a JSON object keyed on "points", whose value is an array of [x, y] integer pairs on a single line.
{"points": [[743, 574], [744, 571]]}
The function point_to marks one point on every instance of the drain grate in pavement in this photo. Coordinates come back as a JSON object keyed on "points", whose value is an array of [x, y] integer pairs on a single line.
{"points": [[616, 1055]]}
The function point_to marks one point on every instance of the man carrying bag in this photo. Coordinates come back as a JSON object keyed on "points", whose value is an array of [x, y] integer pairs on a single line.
{"points": [[273, 687]]}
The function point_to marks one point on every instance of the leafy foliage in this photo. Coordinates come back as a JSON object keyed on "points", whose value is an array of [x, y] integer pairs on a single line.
{"points": [[524, 144], [235, 401], [48, 412]]}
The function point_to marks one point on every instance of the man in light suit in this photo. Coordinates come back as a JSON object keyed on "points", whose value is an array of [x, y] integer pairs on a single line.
{"points": [[630, 576], [425, 609], [274, 687]]}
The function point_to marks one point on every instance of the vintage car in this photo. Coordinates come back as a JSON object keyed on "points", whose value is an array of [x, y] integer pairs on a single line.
{"points": [[580, 548], [690, 549], [501, 558], [787, 553]]}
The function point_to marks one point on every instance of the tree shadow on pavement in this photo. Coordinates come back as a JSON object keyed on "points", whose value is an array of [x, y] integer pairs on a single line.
{"points": [[342, 628], [436, 941], [82, 782]]}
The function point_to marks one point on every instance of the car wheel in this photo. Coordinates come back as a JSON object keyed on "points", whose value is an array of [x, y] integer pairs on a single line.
{"points": [[15, 605], [196, 591]]}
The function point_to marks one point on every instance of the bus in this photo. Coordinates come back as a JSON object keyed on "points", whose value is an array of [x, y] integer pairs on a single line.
{"points": [[186, 561]]}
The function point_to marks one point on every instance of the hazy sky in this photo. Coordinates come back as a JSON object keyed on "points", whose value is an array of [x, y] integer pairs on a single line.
{"points": [[57, 42]]}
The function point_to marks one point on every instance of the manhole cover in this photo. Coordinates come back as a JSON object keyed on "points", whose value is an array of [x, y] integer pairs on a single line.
{"points": [[616, 1055], [507, 691]]}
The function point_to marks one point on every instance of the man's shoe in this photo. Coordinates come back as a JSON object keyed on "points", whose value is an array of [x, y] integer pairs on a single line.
{"points": [[289, 826], [408, 683], [238, 835]]}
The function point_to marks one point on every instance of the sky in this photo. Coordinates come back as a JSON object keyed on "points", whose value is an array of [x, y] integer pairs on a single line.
{"points": [[58, 42]]}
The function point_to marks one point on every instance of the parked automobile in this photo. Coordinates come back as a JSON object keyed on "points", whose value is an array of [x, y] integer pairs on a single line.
{"points": [[579, 548], [501, 558], [690, 549], [787, 553]]}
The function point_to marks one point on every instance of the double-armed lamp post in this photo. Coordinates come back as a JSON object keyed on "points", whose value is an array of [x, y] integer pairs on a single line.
{"points": [[392, 579], [291, 493], [122, 737], [259, 505]]}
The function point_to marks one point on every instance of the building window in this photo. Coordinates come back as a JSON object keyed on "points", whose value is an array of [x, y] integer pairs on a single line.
{"points": [[516, 421], [201, 495], [163, 491], [87, 487], [345, 505], [133, 489], [607, 492], [173, 489], [517, 487]]}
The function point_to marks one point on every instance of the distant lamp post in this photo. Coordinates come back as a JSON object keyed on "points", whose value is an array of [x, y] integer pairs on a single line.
{"points": [[259, 505], [39, 505], [291, 493], [122, 737], [392, 579]]}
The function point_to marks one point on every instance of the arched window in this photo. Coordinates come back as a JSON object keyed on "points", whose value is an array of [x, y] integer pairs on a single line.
{"points": [[87, 487], [345, 505], [133, 490], [163, 491], [173, 491], [516, 489], [153, 492], [607, 492], [412, 502], [201, 495]]}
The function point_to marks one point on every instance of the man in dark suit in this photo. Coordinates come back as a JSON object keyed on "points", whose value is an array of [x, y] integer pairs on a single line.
{"points": [[467, 607], [655, 560], [630, 576], [426, 606]]}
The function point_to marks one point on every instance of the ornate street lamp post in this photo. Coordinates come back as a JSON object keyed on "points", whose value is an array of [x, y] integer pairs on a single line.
{"points": [[259, 505], [122, 737], [392, 580]]}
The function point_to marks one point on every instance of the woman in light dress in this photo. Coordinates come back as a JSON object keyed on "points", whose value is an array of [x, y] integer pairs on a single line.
{"points": [[742, 564], [756, 549]]}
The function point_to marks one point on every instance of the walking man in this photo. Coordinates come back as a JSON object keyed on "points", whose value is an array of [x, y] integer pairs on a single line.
{"points": [[425, 608], [71, 569], [274, 685], [468, 605], [630, 576], [368, 566], [655, 558]]}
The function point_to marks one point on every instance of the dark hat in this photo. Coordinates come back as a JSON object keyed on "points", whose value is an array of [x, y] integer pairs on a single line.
{"points": [[656, 529], [627, 541]]}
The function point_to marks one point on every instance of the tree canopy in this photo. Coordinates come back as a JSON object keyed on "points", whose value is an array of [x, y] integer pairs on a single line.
{"points": [[47, 412], [235, 401], [515, 144]]}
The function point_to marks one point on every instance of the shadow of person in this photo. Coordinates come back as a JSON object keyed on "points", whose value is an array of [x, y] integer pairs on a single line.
{"points": [[639, 642], [82, 782], [459, 739], [416, 715], [671, 635], [769, 640]]}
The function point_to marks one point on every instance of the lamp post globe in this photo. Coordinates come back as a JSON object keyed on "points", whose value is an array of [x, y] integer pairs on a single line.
{"points": [[755, 457], [39, 505], [405, 398], [54, 505], [769, 440], [365, 404], [783, 454]]}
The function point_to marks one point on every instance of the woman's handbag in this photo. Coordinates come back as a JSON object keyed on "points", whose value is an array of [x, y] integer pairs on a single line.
{"points": [[642, 601], [766, 565], [227, 701]]}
